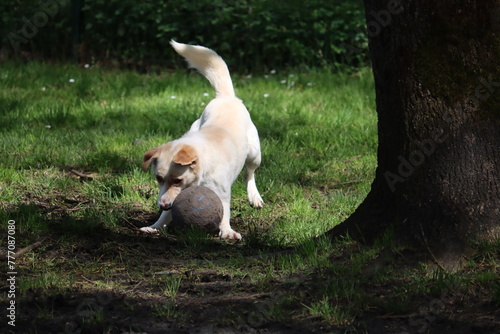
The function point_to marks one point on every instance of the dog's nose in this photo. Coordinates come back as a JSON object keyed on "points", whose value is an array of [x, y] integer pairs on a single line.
{"points": [[165, 205]]}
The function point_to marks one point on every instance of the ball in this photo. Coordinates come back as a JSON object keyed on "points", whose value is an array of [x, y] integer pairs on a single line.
{"points": [[197, 206]]}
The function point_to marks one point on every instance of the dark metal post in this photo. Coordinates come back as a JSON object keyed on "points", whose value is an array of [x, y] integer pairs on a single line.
{"points": [[76, 9]]}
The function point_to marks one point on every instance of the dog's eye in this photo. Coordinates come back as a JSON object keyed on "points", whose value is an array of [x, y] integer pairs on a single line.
{"points": [[159, 179], [176, 181]]}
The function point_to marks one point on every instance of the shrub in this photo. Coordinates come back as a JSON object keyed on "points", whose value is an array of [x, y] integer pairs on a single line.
{"points": [[249, 33], [33, 29]]}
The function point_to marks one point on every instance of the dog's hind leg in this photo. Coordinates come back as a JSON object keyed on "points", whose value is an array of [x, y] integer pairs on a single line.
{"points": [[251, 164], [253, 193]]}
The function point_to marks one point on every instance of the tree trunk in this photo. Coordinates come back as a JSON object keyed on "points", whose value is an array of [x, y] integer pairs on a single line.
{"points": [[436, 66]]}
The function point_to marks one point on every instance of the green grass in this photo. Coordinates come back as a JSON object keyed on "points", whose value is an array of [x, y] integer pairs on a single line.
{"points": [[70, 176], [317, 132]]}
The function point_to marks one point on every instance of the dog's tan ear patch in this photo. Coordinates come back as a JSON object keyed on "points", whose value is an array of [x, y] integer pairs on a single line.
{"points": [[186, 156], [149, 156]]}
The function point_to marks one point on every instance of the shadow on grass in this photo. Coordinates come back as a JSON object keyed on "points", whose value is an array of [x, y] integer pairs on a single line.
{"points": [[96, 273], [117, 312], [114, 279]]}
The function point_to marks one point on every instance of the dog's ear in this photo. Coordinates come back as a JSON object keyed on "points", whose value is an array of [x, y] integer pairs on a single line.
{"points": [[186, 156], [149, 156]]}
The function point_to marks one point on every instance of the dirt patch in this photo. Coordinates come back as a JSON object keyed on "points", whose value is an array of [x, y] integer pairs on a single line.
{"points": [[118, 280]]}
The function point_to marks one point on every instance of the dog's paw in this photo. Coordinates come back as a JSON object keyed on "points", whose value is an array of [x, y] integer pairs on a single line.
{"points": [[229, 234], [149, 229], [256, 201]]}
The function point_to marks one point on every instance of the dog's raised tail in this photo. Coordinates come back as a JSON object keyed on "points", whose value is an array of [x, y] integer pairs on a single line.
{"points": [[210, 64]]}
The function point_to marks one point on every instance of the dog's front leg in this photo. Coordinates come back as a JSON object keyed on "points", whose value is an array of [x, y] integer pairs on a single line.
{"points": [[161, 223], [225, 230]]}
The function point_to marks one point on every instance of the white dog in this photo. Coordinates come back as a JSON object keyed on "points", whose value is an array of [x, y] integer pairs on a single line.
{"points": [[214, 150]]}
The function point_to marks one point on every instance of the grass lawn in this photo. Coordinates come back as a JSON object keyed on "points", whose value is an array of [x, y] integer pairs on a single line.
{"points": [[71, 146]]}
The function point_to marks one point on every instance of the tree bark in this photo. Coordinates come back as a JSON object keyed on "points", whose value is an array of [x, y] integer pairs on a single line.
{"points": [[436, 66]]}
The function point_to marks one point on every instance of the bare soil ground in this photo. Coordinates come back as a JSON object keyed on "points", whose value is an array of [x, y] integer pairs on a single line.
{"points": [[122, 281]]}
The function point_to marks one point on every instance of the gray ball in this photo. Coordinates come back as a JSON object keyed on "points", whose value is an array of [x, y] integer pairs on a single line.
{"points": [[197, 206]]}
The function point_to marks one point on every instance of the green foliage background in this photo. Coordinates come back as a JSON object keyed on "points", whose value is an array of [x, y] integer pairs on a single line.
{"points": [[250, 34]]}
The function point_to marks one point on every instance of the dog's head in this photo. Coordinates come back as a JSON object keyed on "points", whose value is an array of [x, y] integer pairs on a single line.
{"points": [[176, 167]]}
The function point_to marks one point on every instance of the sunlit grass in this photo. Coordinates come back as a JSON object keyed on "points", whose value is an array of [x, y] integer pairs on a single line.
{"points": [[71, 147], [317, 135]]}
